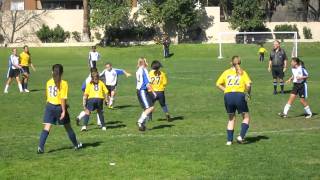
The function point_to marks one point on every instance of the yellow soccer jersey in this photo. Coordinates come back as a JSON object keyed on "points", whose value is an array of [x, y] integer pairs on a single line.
{"points": [[233, 82], [54, 95], [24, 59], [96, 90], [262, 50], [158, 83]]}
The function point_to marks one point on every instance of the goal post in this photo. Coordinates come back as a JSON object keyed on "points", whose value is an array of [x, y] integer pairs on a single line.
{"points": [[273, 34]]}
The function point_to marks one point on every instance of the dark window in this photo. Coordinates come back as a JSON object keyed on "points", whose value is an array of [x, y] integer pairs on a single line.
{"points": [[61, 4]]}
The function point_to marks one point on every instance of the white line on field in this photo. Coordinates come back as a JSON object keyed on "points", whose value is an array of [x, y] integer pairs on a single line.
{"points": [[186, 136]]}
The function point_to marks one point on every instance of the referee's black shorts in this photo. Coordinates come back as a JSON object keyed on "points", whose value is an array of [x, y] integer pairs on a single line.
{"points": [[277, 72]]}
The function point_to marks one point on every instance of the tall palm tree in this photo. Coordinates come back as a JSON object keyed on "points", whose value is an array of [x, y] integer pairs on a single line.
{"points": [[86, 29]]}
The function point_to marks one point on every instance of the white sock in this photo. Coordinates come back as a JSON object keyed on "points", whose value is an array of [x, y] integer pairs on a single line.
{"points": [[286, 109], [20, 87], [142, 118], [98, 120], [111, 101], [81, 115], [307, 110], [6, 88]]}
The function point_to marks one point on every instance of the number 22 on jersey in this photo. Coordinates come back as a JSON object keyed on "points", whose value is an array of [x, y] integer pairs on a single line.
{"points": [[233, 80]]}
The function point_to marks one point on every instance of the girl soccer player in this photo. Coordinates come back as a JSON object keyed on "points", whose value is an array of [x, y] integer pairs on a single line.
{"points": [[143, 92], [299, 78], [25, 62], [158, 84], [261, 53], [110, 76], [56, 108], [13, 71], [93, 98], [234, 82]]}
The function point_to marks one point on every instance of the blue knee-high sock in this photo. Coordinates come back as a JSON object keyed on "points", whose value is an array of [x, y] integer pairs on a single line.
{"points": [[72, 137], [43, 137], [244, 129], [230, 135], [101, 117], [165, 109], [86, 120]]}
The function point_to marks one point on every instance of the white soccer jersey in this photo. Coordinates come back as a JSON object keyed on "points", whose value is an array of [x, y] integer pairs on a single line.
{"points": [[14, 60], [299, 72], [143, 79], [94, 56], [110, 77]]}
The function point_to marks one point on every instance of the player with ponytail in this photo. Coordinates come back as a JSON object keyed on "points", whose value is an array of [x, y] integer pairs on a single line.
{"points": [[299, 78], [56, 108], [234, 82]]}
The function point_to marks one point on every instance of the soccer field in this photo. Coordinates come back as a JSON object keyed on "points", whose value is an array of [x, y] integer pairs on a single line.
{"points": [[190, 147]]}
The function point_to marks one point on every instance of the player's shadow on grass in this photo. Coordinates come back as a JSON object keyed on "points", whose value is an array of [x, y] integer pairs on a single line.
{"points": [[287, 92], [124, 106], [176, 118], [84, 145], [303, 115], [36, 90], [250, 140], [162, 126]]}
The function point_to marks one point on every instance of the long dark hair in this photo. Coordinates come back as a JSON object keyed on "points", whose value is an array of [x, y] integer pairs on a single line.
{"points": [[28, 52], [156, 65], [57, 71], [298, 61]]}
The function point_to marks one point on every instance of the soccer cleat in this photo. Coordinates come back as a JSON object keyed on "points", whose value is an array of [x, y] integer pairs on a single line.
{"points": [[141, 127], [240, 140], [77, 121], [26, 90], [282, 115], [275, 92], [6, 92], [104, 128], [40, 151], [229, 143], [110, 107], [282, 92], [79, 146], [84, 128], [308, 116], [168, 118]]}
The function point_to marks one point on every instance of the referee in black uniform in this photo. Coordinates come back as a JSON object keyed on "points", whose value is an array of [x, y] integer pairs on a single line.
{"points": [[278, 65]]}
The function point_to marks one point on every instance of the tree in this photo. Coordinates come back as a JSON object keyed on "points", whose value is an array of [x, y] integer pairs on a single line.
{"points": [[305, 13], [86, 17], [110, 13], [246, 15], [314, 11], [11, 22], [170, 15], [226, 7]]}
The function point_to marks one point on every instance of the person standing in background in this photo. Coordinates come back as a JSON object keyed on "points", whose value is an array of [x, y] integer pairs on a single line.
{"points": [[94, 56], [278, 66], [25, 62]]}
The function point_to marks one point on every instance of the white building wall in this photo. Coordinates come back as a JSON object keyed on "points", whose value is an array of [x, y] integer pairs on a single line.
{"points": [[71, 20]]}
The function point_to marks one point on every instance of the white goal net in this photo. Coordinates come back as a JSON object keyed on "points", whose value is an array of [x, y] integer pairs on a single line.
{"points": [[288, 39]]}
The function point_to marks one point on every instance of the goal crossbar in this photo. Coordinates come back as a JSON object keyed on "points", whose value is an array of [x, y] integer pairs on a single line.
{"points": [[295, 37]]}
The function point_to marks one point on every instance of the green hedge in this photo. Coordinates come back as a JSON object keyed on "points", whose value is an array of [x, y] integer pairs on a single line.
{"points": [[286, 27], [47, 35]]}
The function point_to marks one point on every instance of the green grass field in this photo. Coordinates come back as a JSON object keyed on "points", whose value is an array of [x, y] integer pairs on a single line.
{"points": [[191, 147]]}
